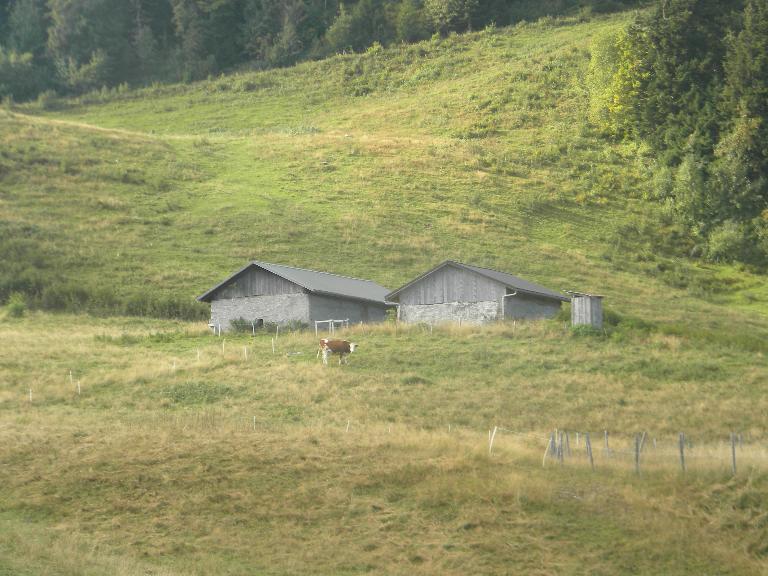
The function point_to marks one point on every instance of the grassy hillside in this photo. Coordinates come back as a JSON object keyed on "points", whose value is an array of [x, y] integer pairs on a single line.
{"points": [[377, 165], [182, 457], [172, 463]]}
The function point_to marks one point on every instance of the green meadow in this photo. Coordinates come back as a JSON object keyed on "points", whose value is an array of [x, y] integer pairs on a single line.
{"points": [[131, 443]]}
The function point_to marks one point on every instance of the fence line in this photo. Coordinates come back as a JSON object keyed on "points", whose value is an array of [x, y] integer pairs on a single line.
{"points": [[641, 450], [628, 452]]}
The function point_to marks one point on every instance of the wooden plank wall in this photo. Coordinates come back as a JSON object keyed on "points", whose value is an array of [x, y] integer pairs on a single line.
{"points": [[257, 282], [587, 310], [451, 284]]}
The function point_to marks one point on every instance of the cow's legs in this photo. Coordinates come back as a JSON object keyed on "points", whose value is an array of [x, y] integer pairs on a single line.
{"points": [[326, 353]]}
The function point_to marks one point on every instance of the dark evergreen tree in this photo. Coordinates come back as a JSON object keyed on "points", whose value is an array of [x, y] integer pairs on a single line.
{"points": [[411, 22], [741, 169], [28, 27], [262, 22], [146, 46], [451, 15], [190, 32], [5, 9], [90, 41], [685, 52], [359, 26], [288, 44]]}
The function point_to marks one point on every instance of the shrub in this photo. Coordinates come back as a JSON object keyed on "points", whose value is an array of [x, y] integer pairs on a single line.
{"points": [[584, 330], [243, 326], [726, 242], [16, 306]]}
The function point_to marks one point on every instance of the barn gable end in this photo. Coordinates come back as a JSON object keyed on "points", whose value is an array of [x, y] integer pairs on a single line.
{"points": [[256, 282]]}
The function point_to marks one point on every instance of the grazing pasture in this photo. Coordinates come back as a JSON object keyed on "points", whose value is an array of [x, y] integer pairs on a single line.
{"points": [[131, 444], [170, 462]]}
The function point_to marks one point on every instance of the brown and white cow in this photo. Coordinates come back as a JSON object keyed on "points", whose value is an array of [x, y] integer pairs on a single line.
{"points": [[340, 347]]}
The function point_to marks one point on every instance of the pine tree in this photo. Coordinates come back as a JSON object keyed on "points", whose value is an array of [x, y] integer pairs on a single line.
{"points": [[190, 32], [411, 22], [27, 24], [741, 169], [94, 35], [450, 15]]}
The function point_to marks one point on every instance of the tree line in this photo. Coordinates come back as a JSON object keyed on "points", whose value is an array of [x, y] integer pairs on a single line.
{"points": [[689, 81], [75, 46]]}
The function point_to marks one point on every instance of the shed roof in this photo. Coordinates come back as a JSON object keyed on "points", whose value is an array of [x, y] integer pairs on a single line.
{"points": [[314, 281], [507, 280]]}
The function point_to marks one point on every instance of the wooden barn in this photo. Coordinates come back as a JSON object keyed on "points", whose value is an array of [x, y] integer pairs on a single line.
{"points": [[262, 292], [456, 292]]}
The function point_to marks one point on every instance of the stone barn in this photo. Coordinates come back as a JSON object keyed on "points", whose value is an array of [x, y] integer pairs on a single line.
{"points": [[456, 292], [262, 292]]}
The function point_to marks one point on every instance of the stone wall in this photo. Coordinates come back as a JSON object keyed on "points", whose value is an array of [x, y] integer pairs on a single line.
{"points": [[280, 309], [466, 312], [519, 307]]}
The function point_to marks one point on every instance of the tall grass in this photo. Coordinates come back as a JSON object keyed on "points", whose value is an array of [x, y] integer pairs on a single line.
{"points": [[180, 456]]}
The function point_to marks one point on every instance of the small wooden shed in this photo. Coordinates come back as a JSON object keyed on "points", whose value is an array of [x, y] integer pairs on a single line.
{"points": [[586, 310]]}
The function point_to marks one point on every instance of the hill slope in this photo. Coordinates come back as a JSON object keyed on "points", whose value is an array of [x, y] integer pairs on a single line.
{"points": [[180, 456], [377, 165], [185, 454]]}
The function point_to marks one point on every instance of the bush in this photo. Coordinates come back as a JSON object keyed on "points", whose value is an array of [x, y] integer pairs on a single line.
{"points": [[243, 326], [16, 306], [726, 242], [19, 77], [584, 330]]}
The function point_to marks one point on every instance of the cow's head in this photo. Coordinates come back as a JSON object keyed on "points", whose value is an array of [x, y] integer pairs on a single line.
{"points": [[352, 347]]}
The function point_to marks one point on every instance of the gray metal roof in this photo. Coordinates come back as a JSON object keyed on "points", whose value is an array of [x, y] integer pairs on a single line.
{"points": [[507, 280], [314, 281]]}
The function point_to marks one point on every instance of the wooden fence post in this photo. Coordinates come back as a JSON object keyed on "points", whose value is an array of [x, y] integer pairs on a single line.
{"points": [[560, 448], [637, 454], [733, 453], [490, 442], [606, 443], [549, 449], [567, 444], [589, 450], [682, 451]]}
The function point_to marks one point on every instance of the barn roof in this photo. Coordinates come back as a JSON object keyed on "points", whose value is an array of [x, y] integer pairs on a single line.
{"points": [[314, 281], [508, 280]]}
